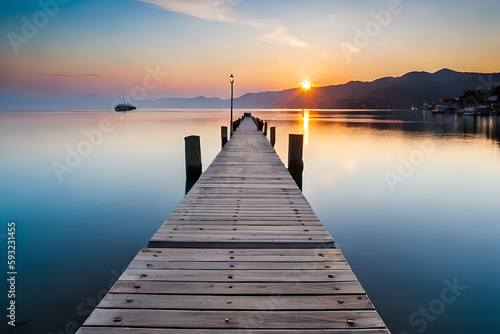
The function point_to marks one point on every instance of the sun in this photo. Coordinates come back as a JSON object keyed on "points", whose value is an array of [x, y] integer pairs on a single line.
{"points": [[306, 85]]}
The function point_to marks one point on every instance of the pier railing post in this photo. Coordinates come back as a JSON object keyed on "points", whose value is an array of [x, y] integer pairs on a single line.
{"points": [[193, 160], [223, 135], [273, 135], [295, 162], [265, 129]]}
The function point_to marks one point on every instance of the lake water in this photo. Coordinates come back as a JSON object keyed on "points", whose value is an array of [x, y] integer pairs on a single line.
{"points": [[410, 197]]}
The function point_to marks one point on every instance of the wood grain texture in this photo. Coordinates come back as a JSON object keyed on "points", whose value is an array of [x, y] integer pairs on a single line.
{"points": [[124, 330], [247, 185], [243, 252]]}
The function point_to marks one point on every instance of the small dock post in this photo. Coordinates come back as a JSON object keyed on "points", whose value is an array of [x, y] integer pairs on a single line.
{"points": [[295, 162], [217, 262], [273, 135], [265, 129], [223, 134], [193, 160]]}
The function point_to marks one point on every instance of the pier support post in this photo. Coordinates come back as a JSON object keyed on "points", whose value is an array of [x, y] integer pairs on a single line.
{"points": [[193, 160], [273, 135], [265, 129], [223, 135], [295, 162]]}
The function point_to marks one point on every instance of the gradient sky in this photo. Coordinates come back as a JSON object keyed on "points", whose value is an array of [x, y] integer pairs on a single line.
{"points": [[106, 46]]}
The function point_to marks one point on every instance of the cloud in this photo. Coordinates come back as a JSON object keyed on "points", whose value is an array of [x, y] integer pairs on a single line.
{"points": [[224, 11], [73, 75], [211, 10], [280, 36]]}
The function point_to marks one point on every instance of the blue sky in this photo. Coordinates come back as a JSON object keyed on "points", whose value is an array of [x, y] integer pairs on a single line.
{"points": [[106, 46]]}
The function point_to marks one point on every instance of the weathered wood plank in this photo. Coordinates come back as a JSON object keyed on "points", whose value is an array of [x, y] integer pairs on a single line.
{"points": [[235, 319], [239, 275], [236, 288], [250, 228], [246, 182], [317, 253], [254, 265], [124, 330], [242, 303], [264, 263]]}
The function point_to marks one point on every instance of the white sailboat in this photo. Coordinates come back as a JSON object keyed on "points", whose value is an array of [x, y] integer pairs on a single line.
{"points": [[124, 106]]}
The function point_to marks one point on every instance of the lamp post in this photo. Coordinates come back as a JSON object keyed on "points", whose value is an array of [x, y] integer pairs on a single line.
{"points": [[231, 80]]}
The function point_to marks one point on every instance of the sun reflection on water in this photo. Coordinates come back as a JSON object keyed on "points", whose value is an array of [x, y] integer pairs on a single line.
{"points": [[305, 116]]}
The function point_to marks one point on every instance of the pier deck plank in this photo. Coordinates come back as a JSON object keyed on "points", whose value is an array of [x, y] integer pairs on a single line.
{"points": [[245, 199], [243, 252]]}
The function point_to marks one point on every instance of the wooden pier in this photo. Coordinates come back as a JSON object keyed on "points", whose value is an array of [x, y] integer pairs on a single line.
{"points": [[242, 253]]}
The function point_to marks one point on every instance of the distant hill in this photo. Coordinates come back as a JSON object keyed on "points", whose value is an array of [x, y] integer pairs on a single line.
{"points": [[411, 89]]}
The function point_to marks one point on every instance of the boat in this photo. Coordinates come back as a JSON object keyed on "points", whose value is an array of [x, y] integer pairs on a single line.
{"points": [[471, 111], [122, 107], [442, 108]]}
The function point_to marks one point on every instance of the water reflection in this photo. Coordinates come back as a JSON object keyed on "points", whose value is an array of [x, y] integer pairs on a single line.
{"points": [[487, 126], [305, 116], [404, 120], [401, 244]]}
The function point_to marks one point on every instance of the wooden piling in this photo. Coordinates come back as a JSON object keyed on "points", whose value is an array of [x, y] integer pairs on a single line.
{"points": [[260, 124], [193, 157], [295, 162], [223, 135], [243, 236], [265, 129], [273, 135]]}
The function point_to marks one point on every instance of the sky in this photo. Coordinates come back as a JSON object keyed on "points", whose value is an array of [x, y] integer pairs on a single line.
{"points": [[186, 48]]}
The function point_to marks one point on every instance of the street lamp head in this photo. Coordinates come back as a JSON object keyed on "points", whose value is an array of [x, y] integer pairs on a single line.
{"points": [[231, 78]]}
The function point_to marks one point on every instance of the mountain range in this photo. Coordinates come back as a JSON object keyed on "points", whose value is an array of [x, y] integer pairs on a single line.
{"points": [[411, 89]]}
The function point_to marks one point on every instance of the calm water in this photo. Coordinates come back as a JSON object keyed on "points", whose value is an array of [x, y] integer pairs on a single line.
{"points": [[411, 198]]}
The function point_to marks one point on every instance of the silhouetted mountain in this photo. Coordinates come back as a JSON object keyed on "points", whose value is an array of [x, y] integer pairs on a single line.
{"points": [[411, 89], [263, 100]]}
